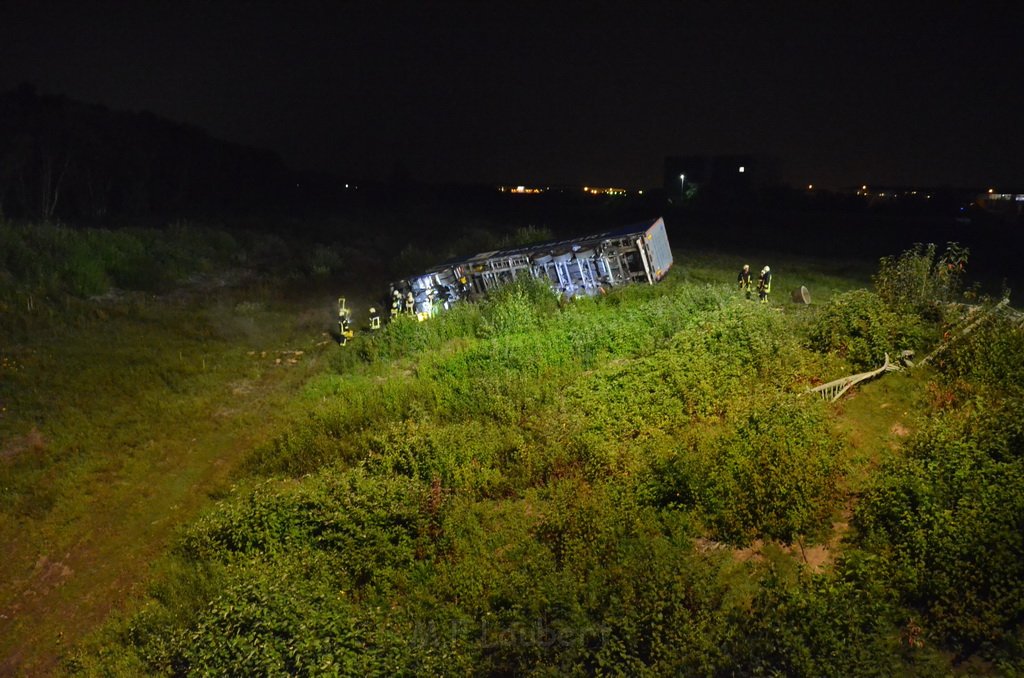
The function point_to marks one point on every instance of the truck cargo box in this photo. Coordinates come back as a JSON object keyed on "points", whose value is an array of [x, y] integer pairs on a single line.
{"points": [[581, 266]]}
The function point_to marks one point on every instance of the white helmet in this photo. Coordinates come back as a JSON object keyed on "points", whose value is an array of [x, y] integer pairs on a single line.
{"points": [[765, 269]]}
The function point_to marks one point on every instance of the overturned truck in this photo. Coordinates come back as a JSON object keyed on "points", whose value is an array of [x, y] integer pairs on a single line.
{"points": [[581, 266]]}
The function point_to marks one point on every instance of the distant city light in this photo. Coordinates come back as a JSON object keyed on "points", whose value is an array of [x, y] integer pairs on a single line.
{"points": [[991, 190], [742, 169], [532, 190], [810, 187], [864, 187], [605, 191]]}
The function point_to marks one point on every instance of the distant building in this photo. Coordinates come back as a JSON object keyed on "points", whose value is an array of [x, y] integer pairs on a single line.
{"points": [[733, 178], [1008, 206]]}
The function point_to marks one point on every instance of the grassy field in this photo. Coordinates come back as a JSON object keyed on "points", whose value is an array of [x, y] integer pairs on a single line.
{"points": [[118, 425], [202, 482]]}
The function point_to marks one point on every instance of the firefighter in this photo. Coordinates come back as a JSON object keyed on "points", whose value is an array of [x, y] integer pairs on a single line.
{"points": [[743, 279], [345, 331], [374, 319], [431, 302], [410, 303], [344, 322], [396, 303], [764, 284]]}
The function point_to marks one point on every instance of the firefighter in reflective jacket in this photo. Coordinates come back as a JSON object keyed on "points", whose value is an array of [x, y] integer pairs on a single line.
{"points": [[410, 302], [764, 284], [743, 279], [374, 319], [396, 303], [345, 331]]}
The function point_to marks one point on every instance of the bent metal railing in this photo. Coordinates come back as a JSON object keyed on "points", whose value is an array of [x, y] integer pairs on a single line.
{"points": [[834, 390], [983, 315]]}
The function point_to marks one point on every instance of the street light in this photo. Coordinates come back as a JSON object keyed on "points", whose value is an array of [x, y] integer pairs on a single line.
{"points": [[682, 184]]}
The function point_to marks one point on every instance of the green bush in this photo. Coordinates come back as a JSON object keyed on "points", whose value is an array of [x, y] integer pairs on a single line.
{"points": [[818, 626], [770, 472], [282, 614], [947, 518], [406, 336], [464, 457], [919, 278], [991, 356], [505, 378], [573, 579], [370, 522], [859, 327], [517, 308], [83, 272]]}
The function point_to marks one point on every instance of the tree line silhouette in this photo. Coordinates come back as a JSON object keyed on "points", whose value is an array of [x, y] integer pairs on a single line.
{"points": [[64, 159]]}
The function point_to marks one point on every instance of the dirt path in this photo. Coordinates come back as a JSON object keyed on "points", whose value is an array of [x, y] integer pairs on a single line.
{"points": [[91, 553]]}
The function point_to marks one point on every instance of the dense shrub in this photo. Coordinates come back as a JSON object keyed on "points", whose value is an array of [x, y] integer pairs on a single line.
{"points": [[370, 522], [279, 614], [504, 378], [770, 472], [517, 308], [920, 278], [574, 579], [859, 327], [947, 518], [819, 626], [990, 356], [464, 457], [405, 336]]}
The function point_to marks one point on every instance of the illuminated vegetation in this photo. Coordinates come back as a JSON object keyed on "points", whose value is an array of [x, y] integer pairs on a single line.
{"points": [[634, 483]]}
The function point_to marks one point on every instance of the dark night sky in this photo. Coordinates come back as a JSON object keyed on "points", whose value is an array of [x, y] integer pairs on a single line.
{"points": [[598, 93]]}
